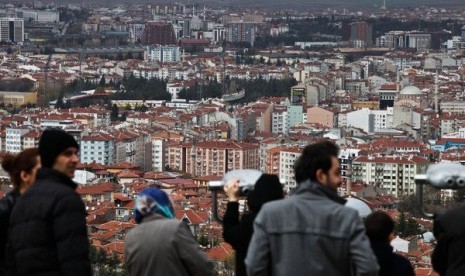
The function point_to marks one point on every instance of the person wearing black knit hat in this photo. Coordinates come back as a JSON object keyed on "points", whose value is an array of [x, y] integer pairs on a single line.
{"points": [[239, 233], [52, 143], [48, 232]]}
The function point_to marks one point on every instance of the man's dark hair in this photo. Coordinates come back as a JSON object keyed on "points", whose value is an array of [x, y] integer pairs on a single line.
{"points": [[379, 226], [314, 157]]}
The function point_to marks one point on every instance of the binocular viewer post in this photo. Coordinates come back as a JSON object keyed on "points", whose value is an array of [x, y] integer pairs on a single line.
{"points": [[215, 187], [247, 179], [439, 176]]}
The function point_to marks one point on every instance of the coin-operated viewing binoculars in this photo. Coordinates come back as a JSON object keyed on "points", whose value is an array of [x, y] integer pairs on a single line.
{"points": [[247, 180], [439, 176]]}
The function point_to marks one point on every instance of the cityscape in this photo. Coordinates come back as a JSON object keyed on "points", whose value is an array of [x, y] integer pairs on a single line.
{"points": [[175, 95]]}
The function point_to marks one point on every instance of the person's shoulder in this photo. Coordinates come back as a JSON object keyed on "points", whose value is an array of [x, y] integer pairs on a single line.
{"points": [[403, 265], [451, 218], [276, 205], [455, 213], [171, 225]]}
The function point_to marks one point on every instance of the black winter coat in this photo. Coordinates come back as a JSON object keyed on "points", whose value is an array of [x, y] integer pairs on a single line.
{"points": [[48, 233], [6, 206], [390, 263], [448, 258], [238, 233]]}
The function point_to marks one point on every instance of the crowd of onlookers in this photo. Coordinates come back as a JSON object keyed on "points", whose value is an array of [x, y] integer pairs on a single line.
{"points": [[311, 232]]}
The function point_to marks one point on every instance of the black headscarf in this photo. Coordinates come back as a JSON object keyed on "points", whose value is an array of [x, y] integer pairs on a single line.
{"points": [[267, 188]]}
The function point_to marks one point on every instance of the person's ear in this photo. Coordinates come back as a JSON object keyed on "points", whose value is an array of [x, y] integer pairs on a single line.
{"points": [[391, 236], [24, 176], [320, 176]]}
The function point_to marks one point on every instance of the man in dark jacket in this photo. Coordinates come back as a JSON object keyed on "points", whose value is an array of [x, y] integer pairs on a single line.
{"points": [[380, 230], [448, 258], [238, 233], [48, 225], [311, 232]]}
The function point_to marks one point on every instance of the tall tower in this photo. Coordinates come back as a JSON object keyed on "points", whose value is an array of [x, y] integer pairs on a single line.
{"points": [[398, 81], [383, 7]]}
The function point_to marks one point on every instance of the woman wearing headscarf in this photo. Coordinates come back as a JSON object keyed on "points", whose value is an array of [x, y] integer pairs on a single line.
{"points": [[238, 233], [160, 244]]}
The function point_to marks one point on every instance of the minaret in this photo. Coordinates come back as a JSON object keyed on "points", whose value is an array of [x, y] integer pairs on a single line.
{"points": [[436, 93], [398, 81], [383, 7]]}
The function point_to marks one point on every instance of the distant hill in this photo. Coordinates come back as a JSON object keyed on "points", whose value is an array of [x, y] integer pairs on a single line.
{"points": [[345, 3], [306, 4]]}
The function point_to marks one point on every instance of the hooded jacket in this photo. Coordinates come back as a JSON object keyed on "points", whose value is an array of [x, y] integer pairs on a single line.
{"points": [[390, 263], [48, 233], [310, 233], [448, 258], [239, 232]]}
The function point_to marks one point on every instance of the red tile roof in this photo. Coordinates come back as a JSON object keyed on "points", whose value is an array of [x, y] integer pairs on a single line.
{"points": [[392, 159], [121, 197], [128, 174], [97, 189], [115, 226], [116, 246], [220, 252], [194, 217]]}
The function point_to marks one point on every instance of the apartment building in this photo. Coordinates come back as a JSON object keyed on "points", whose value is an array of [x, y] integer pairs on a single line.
{"points": [[287, 158], [215, 157], [99, 148], [394, 173]]}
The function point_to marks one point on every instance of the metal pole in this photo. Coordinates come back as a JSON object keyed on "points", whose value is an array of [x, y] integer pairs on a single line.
{"points": [[215, 207], [420, 180]]}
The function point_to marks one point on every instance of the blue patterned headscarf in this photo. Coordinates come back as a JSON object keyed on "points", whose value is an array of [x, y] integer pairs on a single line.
{"points": [[152, 201]]}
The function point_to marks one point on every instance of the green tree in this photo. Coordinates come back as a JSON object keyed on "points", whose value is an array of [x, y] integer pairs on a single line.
{"points": [[102, 81], [114, 112], [203, 240], [401, 224], [120, 56], [60, 103], [124, 116], [411, 228]]}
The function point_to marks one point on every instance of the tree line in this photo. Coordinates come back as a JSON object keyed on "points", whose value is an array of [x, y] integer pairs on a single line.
{"points": [[254, 89]]}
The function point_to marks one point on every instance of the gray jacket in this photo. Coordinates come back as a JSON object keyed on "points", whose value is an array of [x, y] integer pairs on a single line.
{"points": [[310, 233], [161, 246]]}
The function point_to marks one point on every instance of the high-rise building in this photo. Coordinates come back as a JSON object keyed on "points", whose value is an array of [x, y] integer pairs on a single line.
{"points": [[241, 32], [12, 29], [158, 33], [219, 33], [183, 28], [361, 33]]}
